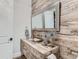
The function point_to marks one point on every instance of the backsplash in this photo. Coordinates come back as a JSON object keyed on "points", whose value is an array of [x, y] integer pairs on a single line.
{"points": [[43, 35]]}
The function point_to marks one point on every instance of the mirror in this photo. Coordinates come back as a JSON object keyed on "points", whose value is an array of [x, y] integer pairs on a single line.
{"points": [[47, 19], [37, 21]]}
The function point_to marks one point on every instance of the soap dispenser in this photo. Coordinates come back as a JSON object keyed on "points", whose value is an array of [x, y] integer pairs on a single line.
{"points": [[26, 32]]}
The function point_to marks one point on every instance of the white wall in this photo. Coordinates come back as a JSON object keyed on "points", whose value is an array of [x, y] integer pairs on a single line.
{"points": [[22, 18]]}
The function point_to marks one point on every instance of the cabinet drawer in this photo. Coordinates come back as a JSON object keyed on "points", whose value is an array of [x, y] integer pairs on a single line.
{"points": [[28, 54]]}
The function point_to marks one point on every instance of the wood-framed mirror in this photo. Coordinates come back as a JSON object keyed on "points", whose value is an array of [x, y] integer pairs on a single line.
{"points": [[47, 19]]}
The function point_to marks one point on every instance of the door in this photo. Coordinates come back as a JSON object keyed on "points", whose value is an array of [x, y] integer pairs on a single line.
{"points": [[6, 29]]}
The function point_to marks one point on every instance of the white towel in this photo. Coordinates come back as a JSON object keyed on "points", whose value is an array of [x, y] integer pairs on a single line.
{"points": [[52, 56]]}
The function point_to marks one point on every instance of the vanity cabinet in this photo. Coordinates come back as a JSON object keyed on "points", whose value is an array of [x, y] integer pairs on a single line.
{"points": [[33, 50]]}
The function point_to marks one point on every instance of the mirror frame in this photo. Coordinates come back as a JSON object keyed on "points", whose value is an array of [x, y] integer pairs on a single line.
{"points": [[57, 7]]}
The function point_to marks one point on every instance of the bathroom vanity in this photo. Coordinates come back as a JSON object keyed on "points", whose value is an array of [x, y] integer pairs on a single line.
{"points": [[34, 50]]}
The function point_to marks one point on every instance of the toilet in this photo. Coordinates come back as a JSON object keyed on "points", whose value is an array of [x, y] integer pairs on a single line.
{"points": [[52, 56]]}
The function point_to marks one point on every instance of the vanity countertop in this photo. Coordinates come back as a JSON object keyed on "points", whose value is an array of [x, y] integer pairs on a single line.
{"points": [[39, 47]]}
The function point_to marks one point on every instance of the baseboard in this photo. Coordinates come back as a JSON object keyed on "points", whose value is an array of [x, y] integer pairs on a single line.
{"points": [[18, 54]]}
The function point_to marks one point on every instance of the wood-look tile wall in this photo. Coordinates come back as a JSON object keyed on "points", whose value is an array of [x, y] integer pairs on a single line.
{"points": [[67, 37]]}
